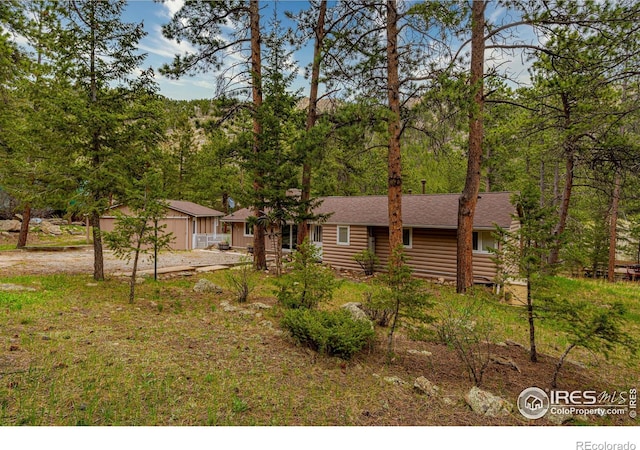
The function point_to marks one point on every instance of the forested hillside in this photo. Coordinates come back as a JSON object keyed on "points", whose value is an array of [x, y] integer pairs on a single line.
{"points": [[402, 97]]}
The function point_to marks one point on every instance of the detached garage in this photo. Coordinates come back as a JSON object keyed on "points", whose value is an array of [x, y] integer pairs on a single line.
{"points": [[192, 225]]}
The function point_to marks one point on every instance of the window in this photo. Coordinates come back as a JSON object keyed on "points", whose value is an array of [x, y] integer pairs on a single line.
{"points": [[343, 235], [316, 234], [407, 237], [248, 229], [483, 241]]}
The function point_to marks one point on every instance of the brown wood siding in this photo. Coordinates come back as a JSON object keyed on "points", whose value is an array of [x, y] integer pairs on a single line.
{"points": [[206, 225], [181, 239], [433, 254], [238, 239], [341, 256]]}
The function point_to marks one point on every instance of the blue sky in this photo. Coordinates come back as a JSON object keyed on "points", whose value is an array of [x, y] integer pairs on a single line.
{"points": [[160, 50]]}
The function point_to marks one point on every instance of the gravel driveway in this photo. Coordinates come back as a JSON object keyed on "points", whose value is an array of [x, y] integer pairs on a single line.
{"points": [[80, 260]]}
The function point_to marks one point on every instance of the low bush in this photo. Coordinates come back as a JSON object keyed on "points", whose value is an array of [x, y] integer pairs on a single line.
{"points": [[308, 282], [331, 332], [242, 280], [367, 260], [465, 325]]}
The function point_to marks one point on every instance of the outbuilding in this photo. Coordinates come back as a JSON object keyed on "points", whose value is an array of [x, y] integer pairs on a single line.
{"points": [[193, 226]]}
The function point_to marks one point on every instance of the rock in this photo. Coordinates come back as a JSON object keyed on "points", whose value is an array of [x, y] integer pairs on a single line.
{"points": [[356, 312], [10, 225], [419, 352], [204, 286], [15, 287], [49, 228], [424, 386], [395, 381], [558, 419], [487, 404], [258, 305], [513, 343], [505, 362]]}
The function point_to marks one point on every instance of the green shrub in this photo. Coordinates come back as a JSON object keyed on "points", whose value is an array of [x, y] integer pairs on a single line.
{"points": [[331, 332], [367, 260], [242, 279], [308, 282]]}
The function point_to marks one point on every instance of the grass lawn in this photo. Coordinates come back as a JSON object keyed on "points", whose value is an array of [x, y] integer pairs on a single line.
{"points": [[75, 352]]}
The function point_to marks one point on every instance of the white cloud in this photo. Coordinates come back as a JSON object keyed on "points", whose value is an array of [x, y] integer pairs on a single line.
{"points": [[157, 44], [172, 7]]}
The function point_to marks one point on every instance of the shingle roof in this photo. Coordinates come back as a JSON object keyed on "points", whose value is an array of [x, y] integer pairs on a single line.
{"points": [[418, 211], [193, 209]]}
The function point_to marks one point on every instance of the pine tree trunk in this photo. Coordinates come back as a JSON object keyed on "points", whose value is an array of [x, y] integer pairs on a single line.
{"points": [[554, 382], [259, 250], [98, 259], [394, 162], [312, 115], [469, 198], [569, 152], [533, 354], [554, 254], [613, 224], [24, 226], [134, 271]]}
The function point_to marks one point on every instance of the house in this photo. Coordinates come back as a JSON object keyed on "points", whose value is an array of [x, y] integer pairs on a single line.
{"points": [[192, 225], [430, 223]]}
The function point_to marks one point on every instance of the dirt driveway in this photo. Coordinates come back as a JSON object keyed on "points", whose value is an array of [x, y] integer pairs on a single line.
{"points": [[80, 260]]}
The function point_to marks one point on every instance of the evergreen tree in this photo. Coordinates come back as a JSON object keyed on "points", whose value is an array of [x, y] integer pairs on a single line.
{"points": [[101, 51]]}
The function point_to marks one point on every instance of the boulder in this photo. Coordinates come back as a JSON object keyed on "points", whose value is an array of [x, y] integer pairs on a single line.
{"points": [[258, 305], [487, 404], [397, 381], [426, 387], [49, 228], [204, 286], [356, 312], [9, 225], [419, 352]]}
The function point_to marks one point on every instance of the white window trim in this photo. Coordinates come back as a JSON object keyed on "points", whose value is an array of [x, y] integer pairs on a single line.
{"points": [[410, 237], [244, 230], [480, 244], [316, 230], [348, 227]]}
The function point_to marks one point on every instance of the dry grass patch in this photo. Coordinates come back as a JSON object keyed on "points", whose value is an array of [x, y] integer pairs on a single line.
{"points": [[74, 352]]}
